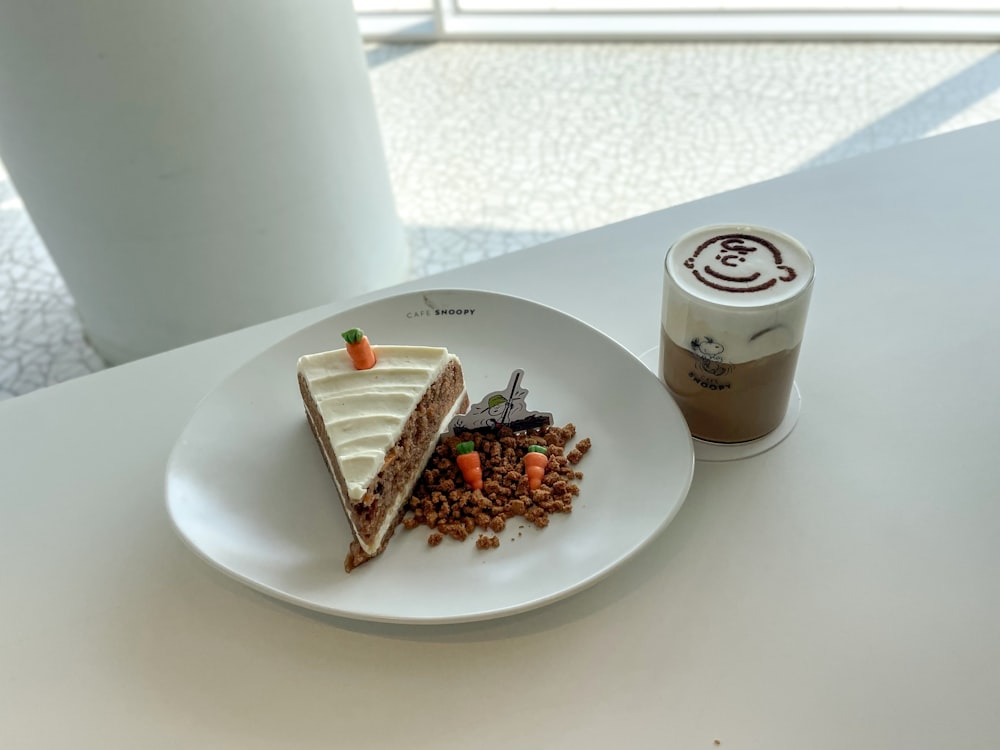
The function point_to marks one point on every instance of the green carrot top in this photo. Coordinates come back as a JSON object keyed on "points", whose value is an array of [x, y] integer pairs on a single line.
{"points": [[467, 447], [353, 336], [538, 449]]}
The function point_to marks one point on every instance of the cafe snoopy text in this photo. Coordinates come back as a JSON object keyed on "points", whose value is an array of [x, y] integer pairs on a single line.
{"points": [[441, 311]]}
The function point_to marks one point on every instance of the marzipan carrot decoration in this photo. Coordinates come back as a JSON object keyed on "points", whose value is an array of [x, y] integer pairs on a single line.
{"points": [[359, 350], [470, 464], [535, 462]]}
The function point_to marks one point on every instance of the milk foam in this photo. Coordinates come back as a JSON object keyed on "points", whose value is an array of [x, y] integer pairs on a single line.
{"points": [[736, 293]]}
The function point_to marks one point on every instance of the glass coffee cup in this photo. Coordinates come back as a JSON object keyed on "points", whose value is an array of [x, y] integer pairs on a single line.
{"points": [[735, 299]]}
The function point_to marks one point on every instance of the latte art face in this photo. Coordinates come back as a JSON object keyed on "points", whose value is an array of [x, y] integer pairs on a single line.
{"points": [[739, 264]]}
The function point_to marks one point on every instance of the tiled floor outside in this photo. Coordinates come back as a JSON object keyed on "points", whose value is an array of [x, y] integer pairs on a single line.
{"points": [[498, 147]]}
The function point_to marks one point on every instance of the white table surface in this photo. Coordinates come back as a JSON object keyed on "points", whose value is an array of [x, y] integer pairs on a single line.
{"points": [[839, 591]]}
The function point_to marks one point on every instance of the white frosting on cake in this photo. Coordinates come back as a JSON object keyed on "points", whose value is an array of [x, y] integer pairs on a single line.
{"points": [[364, 411], [744, 288]]}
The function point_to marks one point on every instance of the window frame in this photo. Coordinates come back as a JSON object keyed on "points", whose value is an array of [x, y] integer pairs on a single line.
{"points": [[449, 22]]}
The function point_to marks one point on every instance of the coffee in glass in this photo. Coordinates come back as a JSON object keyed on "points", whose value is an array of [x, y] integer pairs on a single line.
{"points": [[735, 299]]}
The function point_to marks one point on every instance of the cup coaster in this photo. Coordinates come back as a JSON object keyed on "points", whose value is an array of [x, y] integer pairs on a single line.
{"points": [[708, 451]]}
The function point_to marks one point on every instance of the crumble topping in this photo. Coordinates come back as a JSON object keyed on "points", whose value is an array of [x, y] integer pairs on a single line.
{"points": [[443, 501]]}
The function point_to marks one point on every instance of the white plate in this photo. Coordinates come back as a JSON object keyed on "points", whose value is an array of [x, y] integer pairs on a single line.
{"points": [[248, 490]]}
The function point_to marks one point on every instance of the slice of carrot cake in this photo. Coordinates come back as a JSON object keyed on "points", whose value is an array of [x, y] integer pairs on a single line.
{"points": [[378, 426]]}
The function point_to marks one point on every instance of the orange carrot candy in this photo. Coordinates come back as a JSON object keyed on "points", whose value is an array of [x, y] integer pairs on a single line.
{"points": [[535, 462], [359, 350], [469, 462]]}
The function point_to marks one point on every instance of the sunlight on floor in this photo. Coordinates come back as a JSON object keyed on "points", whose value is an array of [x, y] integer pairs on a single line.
{"points": [[493, 148]]}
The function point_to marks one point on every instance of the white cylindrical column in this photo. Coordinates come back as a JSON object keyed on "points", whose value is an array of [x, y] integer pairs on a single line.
{"points": [[195, 167]]}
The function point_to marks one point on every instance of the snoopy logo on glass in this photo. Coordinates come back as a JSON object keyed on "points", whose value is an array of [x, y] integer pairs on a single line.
{"points": [[709, 354]]}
